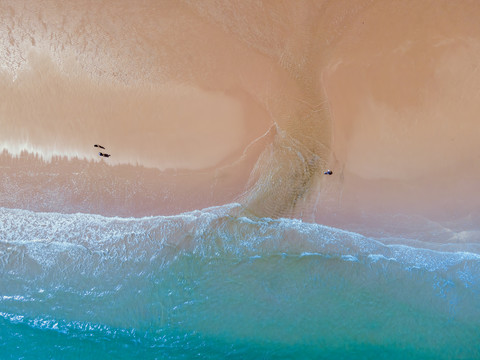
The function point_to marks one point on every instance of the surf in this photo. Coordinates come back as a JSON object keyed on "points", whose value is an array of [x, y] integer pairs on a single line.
{"points": [[212, 277]]}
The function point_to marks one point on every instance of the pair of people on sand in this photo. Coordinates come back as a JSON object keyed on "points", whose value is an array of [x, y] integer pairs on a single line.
{"points": [[100, 153]]}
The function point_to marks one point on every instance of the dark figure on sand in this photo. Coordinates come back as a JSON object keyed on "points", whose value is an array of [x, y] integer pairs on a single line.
{"points": [[100, 153], [328, 172]]}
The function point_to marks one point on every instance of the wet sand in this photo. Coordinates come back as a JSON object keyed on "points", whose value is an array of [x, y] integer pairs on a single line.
{"points": [[205, 103]]}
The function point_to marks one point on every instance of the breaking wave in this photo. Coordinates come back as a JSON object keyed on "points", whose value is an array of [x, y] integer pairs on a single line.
{"points": [[212, 280]]}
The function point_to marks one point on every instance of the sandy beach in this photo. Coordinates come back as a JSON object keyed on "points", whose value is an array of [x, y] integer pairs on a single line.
{"points": [[243, 102]]}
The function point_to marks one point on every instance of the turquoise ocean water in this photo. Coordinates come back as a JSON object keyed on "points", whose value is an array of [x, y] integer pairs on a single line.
{"points": [[211, 284]]}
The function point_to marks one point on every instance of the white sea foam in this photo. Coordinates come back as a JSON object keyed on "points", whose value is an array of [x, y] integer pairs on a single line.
{"points": [[47, 238]]}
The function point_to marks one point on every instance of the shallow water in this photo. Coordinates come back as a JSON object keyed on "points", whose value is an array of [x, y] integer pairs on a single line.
{"points": [[212, 284]]}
